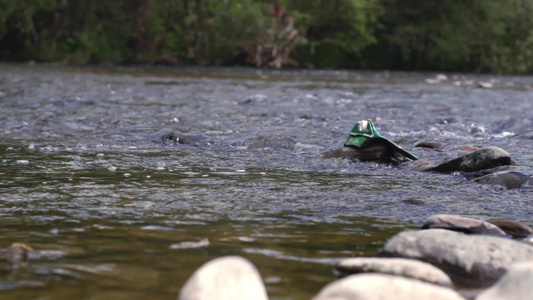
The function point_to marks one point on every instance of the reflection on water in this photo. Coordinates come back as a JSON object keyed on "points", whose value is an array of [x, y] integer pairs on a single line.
{"points": [[114, 213]]}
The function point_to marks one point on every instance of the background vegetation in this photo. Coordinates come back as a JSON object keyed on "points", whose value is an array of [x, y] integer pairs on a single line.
{"points": [[474, 35]]}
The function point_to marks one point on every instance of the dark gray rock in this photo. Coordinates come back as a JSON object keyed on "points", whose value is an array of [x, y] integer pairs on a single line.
{"points": [[462, 224], [225, 278], [409, 268], [515, 285], [428, 144], [515, 229], [481, 173], [376, 151], [474, 260], [414, 201], [483, 158], [510, 180], [179, 138], [384, 287]]}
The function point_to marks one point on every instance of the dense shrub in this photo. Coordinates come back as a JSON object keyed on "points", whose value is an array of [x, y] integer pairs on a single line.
{"points": [[476, 35]]}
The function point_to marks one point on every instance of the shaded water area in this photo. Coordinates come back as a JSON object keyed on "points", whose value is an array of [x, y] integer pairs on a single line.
{"points": [[115, 213]]}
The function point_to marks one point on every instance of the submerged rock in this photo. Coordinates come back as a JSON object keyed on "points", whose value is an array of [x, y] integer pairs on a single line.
{"points": [[428, 144], [379, 152], [515, 229], [225, 278], [481, 159], [394, 266], [18, 253], [475, 260], [414, 201], [180, 138], [384, 287], [510, 180], [515, 285], [462, 224]]}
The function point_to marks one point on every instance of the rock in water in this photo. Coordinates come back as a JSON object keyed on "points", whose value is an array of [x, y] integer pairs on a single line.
{"points": [[378, 152], [409, 268], [384, 287], [428, 144], [481, 159], [515, 285], [462, 224], [510, 180], [225, 278], [179, 138], [17, 253], [513, 228], [475, 260]]}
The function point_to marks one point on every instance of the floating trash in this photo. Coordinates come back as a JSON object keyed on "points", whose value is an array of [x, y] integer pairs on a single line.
{"points": [[364, 133]]}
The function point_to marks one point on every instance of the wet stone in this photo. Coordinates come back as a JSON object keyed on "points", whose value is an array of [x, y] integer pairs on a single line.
{"points": [[483, 158], [414, 201], [378, 152], [409, 268], [384, 287], [180, 138], [462, 224], [225, 278], [510, 180], [18, 253], [515, 285], [481, 173], [473, 260], [515, 229], [428, 144]]}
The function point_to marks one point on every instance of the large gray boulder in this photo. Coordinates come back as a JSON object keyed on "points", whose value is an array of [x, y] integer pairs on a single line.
{"points": [[462, 224], [409, 268], [384, 287], [515, 285], [474, 260], [225, 278]]}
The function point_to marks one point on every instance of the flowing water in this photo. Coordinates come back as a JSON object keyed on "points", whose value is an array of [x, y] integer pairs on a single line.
{"points": [[112, 212]]}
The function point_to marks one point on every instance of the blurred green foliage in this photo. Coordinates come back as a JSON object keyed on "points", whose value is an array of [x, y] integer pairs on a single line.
{"points": [[474, 35]]}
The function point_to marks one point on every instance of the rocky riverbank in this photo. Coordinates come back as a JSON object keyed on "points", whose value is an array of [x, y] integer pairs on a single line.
{"points": [[450, 258]]}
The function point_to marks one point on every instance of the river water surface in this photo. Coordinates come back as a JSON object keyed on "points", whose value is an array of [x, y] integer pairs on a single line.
{"points": [[112, 212]]}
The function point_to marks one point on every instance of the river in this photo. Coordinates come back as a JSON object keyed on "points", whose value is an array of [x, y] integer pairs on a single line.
{"points": [[113, 212]]}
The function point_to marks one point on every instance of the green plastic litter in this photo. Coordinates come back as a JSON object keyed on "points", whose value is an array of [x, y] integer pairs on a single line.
{"points": [[364, 133]]}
